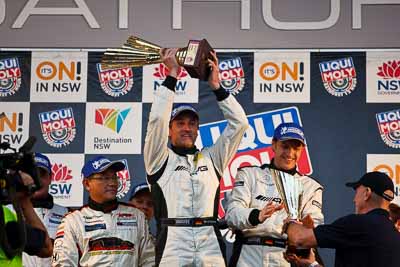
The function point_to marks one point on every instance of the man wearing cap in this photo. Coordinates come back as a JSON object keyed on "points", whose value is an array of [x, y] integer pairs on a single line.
{"points": [[141, 199], [366, 238], [185, 181], [255, 205], [49, 212], [105, 232]]}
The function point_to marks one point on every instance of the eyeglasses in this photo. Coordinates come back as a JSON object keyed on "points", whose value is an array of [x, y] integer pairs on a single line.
{"points": [[103, 178]]}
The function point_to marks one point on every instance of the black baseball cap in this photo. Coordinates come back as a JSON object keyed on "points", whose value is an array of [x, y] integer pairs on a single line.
{"points": [[379, 182]]}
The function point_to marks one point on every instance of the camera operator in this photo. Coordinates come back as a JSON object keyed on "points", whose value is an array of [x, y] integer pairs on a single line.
{"points": [[23, 230]]}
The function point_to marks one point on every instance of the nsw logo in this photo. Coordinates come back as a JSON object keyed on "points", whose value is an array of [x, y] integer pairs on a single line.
{"points": [[111, 118], [58, 127], [115, 82], [124, 182], [389, 78], [339, 76], [61, 178], [389, 127], [10, 76], [231, 74], [161, 72]]}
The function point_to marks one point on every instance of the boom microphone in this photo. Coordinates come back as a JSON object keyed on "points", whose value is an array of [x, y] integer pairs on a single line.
{"points": [[28, 145]]}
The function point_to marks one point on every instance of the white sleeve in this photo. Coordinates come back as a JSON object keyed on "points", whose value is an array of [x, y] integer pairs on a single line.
{"points": [[155, 145], [65, 251], [237, 214], [227, 144]]}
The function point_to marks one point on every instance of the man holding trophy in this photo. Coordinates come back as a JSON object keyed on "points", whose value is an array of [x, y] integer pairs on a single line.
{"points": [[185, 181], [255, 208]]}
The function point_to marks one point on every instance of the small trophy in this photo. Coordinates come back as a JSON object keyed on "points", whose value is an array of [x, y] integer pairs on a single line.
{"points": [[137, 52], [291, 191]]}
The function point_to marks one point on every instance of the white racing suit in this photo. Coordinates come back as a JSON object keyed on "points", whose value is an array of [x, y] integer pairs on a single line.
{"points": [[51, 218], [253, 189], [91, 237], [185, 184]]}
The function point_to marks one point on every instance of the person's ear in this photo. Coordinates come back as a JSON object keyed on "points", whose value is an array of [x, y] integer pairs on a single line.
{"points": [[397, 225], [273, 145], [86, 184], [367, 193]]}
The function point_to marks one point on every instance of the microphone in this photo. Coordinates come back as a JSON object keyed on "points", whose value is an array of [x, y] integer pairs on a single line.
{"points": [[28, 145]]}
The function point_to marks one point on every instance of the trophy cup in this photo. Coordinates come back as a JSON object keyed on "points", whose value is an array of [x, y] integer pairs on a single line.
{"points": [[291, 190], [137, 52]]}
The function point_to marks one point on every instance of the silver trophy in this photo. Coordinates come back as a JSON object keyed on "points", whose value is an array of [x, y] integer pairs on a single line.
{"points": [[291, 191]]}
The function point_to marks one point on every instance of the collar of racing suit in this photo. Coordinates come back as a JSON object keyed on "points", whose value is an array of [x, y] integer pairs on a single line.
{"points": [[184, 151], [105, 207], [46, 202], [291, 171]]}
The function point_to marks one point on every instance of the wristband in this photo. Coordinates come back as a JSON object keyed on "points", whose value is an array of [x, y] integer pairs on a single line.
{"points": [[314, 264]]}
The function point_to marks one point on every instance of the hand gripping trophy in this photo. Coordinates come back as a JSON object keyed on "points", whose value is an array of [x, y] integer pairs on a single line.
{"points": [[137, 52]]}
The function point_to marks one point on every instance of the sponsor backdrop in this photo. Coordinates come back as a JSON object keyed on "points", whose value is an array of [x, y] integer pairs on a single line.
{"points": [[348, 103]]}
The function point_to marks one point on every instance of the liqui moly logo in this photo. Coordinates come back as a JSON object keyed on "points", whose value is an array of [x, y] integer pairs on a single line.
{"points": [[231, 74], [161, 72], [389, 127], [58, 127], [115, 82], [255, 147], [10, 76], [389, 78], [339, 76], [124, 182], [61, 179]]}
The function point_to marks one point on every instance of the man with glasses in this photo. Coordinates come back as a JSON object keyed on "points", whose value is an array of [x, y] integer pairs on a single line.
{"points": [[104, 232]]}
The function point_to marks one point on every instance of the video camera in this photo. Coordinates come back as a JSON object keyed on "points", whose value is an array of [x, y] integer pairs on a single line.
{"points": [[11, 163]]}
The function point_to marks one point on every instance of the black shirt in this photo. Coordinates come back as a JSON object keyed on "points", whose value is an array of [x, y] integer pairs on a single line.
{"points": [[362, 240]]}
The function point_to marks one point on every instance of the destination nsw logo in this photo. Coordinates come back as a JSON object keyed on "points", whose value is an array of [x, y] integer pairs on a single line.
{"points": [[10, 76], [115, 82], [112, 119], [61, 178], [58, 127], [389, 82]]}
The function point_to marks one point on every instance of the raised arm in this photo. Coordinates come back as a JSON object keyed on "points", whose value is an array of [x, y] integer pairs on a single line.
{"points": [[155, 146], [227, 144]]}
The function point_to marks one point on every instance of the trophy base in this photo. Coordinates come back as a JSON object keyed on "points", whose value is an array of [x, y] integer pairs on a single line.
{"points": [[196, 59]]}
